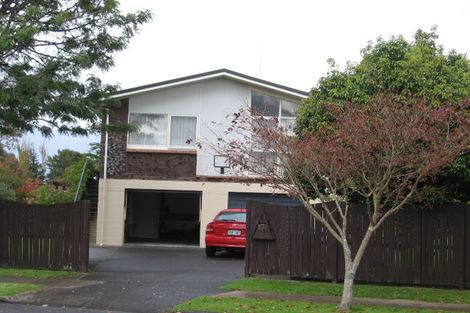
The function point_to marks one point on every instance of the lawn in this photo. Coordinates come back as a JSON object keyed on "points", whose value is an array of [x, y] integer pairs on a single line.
{"points": [[31, 273], [11, 289], [360, 291], [232, 305]]}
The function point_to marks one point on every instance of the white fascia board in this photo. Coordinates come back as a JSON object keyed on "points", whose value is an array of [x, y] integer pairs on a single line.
{"points": [[252, 82], [228, 75]]}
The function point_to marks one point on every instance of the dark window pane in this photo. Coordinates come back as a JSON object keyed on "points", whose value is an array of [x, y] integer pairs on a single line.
{"points": [[264, 105], [288, 108]]}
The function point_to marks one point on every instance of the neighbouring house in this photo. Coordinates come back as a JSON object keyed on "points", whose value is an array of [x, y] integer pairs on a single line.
{"points": [[157, 184]]}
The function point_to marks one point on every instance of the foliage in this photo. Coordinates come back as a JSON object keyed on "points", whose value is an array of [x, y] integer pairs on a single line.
{"points": [[27, 189], [45, 47], [454, 182], [6, 192], [360, 291], [9, 180], [28, 171], [74, 172], [7, 142], [410, 70], [94, 153], [59, 162], [19, 181], [28, 162], [387, 160], [24, 157], [47, 194], [36, 168]]}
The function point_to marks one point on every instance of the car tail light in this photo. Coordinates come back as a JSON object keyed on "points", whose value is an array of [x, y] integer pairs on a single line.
{"points": [[209, 228]]}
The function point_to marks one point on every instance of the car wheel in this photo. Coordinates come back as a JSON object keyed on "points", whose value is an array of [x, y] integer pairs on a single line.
{"points": [[210, 251]]}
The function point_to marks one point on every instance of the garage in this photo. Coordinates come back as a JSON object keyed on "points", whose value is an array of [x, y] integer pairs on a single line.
{"points": [[162, 216], [240, 199]]}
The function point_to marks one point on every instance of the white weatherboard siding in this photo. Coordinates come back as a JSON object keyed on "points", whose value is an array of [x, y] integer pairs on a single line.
{"points": [[112, 208], [211, 101]]}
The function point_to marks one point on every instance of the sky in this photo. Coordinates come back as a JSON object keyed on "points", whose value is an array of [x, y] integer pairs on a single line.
{"points": [[286, 42]]}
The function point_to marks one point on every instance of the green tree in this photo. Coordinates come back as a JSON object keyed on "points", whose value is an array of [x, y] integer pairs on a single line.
{"points": [[94, 153], [36, 168], [9, 180], [417, 69], [386, 152], [6, 192], [45, 47], [62, 160], [47, 194]]}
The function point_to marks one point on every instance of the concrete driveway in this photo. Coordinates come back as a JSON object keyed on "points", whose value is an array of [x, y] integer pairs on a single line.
{"points": [[143, 279]]}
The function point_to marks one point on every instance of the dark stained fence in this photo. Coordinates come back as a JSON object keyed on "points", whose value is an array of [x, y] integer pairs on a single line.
{"points": [[44, 236], [414, 247]]}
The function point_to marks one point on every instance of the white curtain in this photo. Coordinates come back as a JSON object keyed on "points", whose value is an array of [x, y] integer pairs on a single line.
{"points": [[152, 129], [183, 131], [287, 124]]}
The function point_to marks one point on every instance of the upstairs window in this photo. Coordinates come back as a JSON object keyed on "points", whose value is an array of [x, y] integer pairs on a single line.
{"points": [[264, 105], [183, 131], [162, 131], [271, 108], [275, 107]]}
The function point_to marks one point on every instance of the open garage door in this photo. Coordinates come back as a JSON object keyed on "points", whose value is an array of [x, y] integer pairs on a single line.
{"points": [[162, 216], [240, 200]]}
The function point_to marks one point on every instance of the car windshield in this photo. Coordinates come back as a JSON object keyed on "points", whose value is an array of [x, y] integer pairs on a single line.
{"points": [[232, 217]]}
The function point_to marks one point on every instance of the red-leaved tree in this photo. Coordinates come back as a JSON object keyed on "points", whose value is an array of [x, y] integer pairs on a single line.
{"points": [[382, 153]]}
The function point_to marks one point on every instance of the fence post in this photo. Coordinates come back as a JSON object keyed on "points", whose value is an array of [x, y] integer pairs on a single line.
{"points": [[84, 240], [248, 239], [466, 263]]}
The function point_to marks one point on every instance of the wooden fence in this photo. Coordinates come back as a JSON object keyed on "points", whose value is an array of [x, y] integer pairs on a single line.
{"points": [[414, 247], [44, 236]]}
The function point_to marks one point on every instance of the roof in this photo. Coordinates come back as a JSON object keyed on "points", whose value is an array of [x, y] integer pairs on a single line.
{"points": [[221, 73]]}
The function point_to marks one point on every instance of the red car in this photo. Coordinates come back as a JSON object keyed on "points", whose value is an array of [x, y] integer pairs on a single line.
{"points": [[226, 232]]}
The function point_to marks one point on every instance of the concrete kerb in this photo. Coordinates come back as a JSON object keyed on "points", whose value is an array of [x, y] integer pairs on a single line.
{"points": [[357, 301]]}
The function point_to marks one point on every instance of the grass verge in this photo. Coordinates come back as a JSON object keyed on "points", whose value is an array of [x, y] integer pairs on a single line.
{"points": [[232, 305], [360, 291], [32, 273], [11, 289]]}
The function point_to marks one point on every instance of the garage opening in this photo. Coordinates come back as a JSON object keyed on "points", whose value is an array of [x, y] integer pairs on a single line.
{"points": [[162, 216]]}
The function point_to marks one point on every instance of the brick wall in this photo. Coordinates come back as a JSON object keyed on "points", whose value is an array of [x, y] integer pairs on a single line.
{"points": [[146, 164]]}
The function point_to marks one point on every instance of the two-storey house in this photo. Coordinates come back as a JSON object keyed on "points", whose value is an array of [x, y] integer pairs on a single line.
{"points": [[156, 183]]}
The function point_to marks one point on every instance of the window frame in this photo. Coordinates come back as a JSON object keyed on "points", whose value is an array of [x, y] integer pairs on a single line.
{"points": [[279, 118], [168, 146]]}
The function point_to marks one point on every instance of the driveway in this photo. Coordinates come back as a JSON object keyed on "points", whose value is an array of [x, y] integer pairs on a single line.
{"points": [[143, 279]]}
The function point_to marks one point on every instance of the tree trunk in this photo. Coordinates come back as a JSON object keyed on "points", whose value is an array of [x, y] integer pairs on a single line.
{"points": [[350, 268], [349, 274]]}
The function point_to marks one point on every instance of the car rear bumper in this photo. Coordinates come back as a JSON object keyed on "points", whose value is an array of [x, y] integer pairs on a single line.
{"points": [[225, 242]]}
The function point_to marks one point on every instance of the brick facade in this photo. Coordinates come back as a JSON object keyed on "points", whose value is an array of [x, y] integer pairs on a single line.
{"points": [[126, 164]]}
